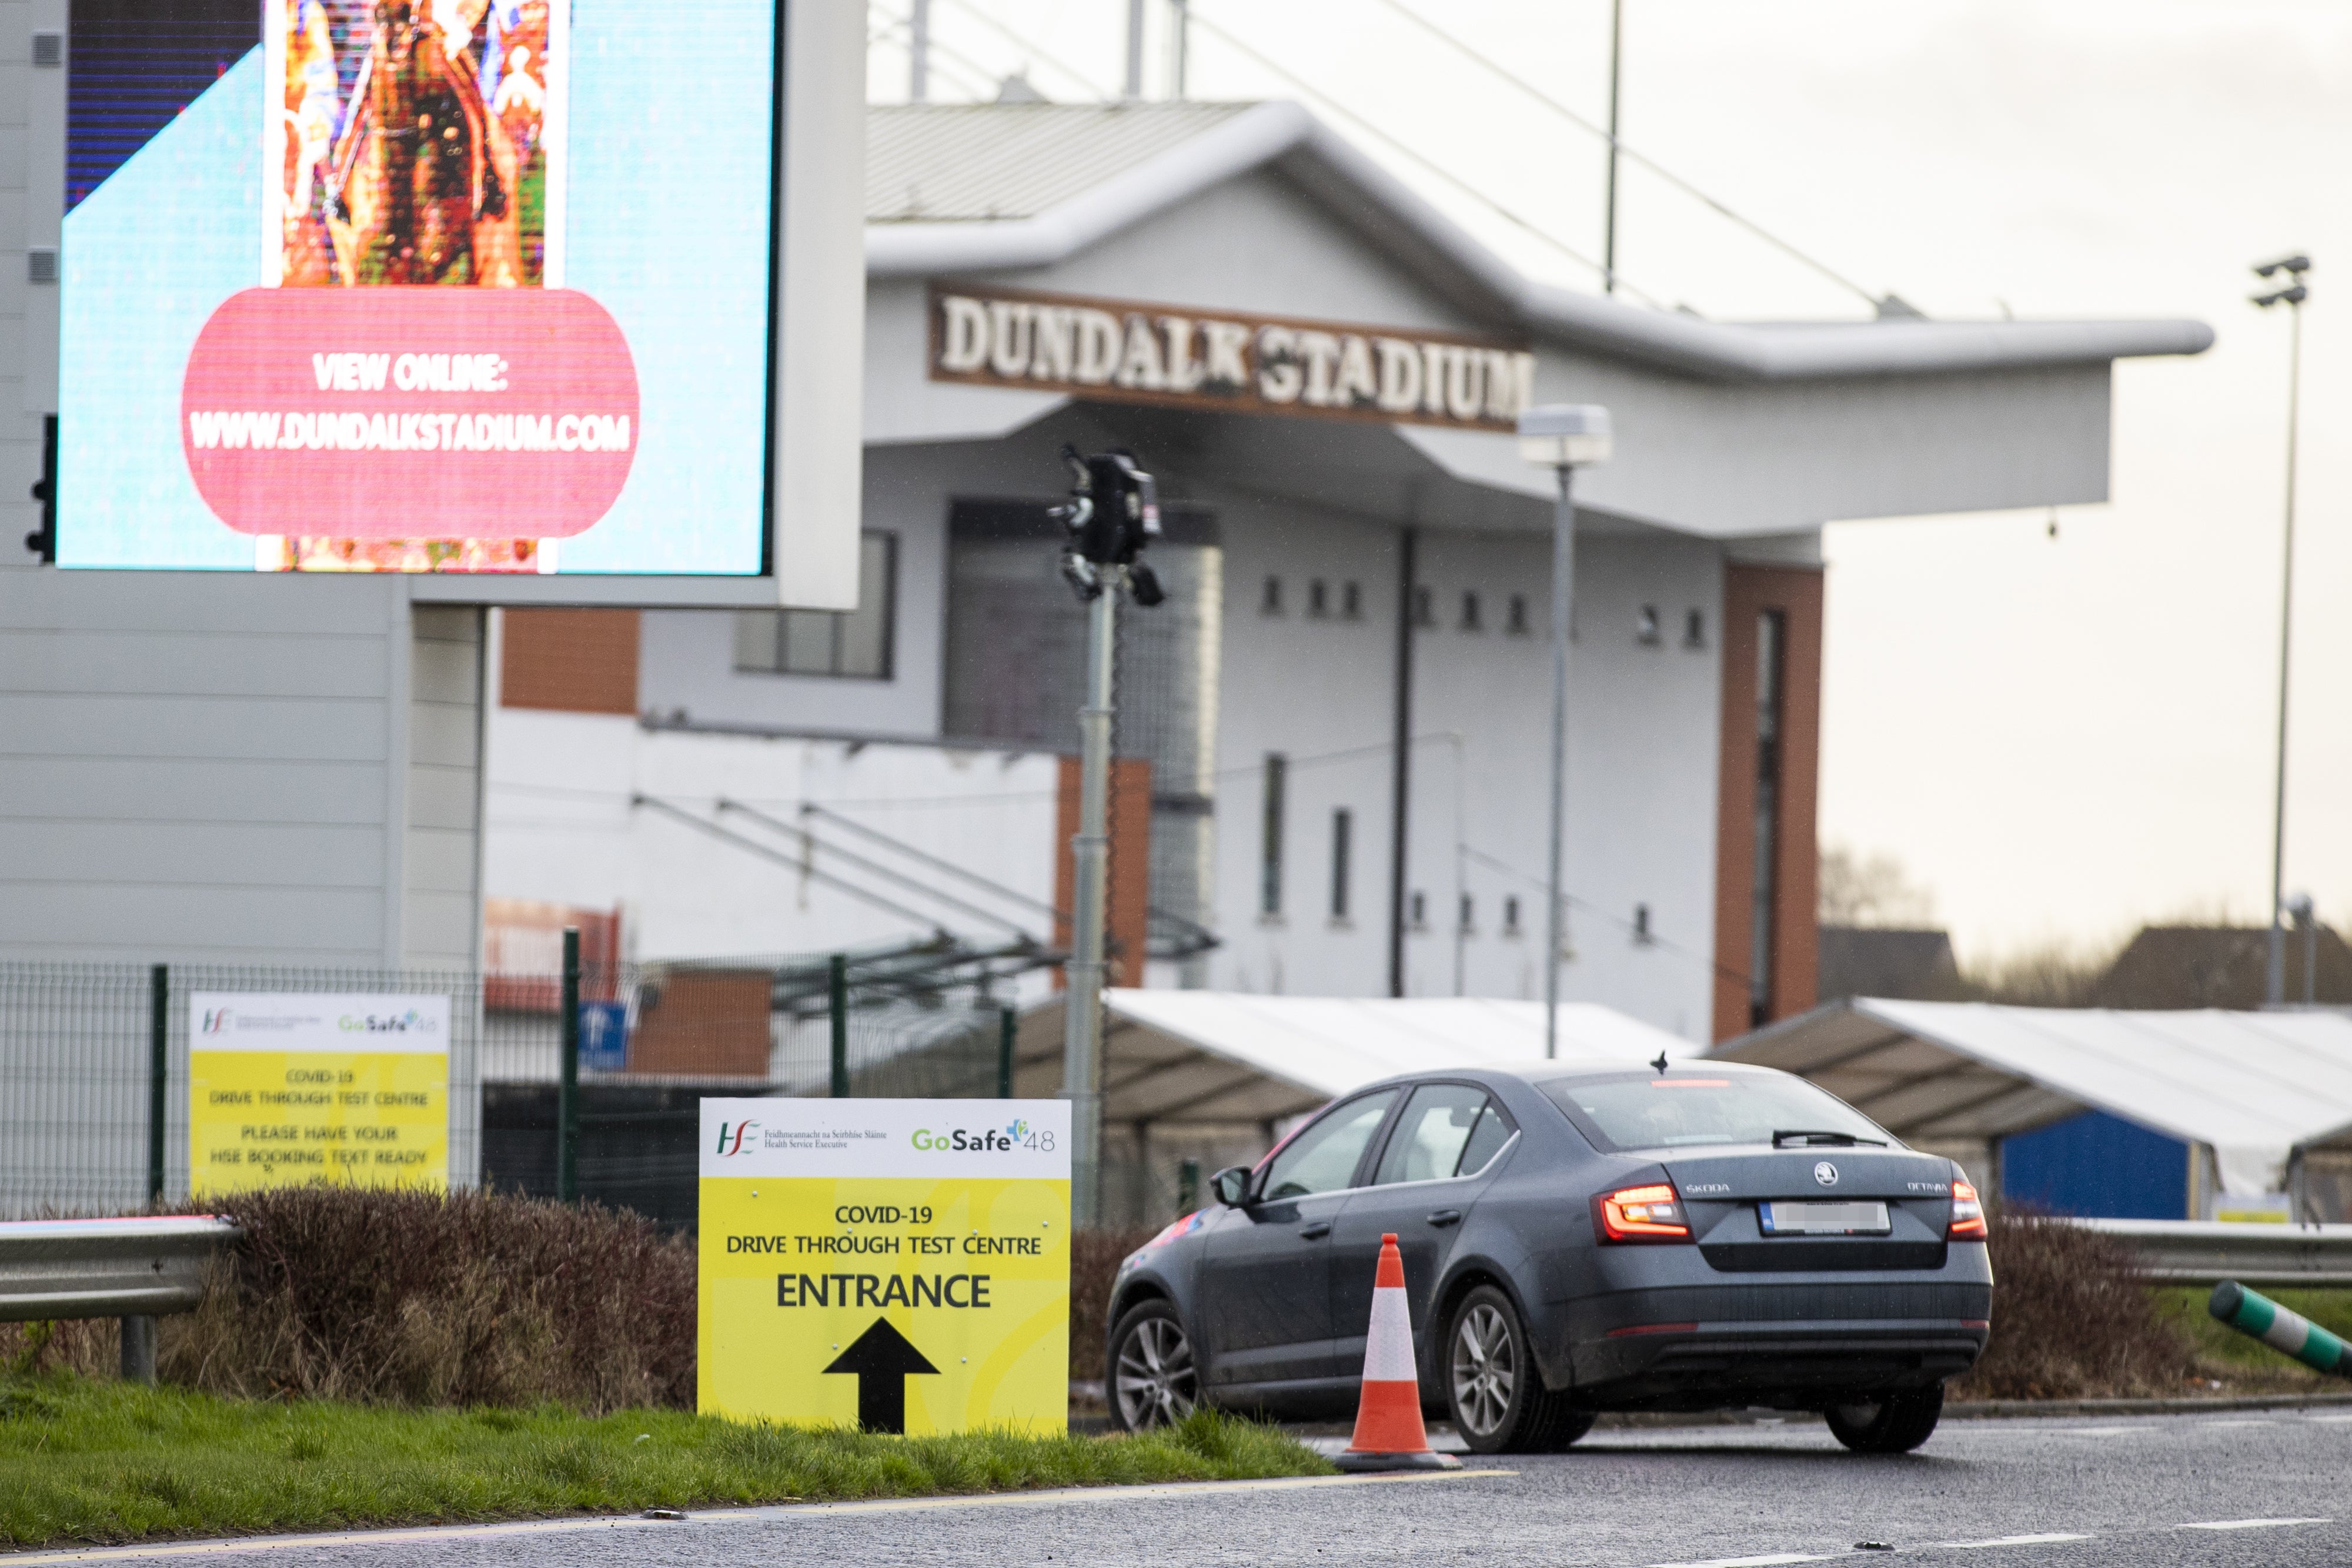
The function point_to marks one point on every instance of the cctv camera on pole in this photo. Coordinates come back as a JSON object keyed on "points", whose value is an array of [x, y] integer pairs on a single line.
{"points": [[1113, 513]]}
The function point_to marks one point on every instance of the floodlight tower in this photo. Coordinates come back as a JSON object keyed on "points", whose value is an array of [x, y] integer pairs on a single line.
{"points": [[2291, 295]]}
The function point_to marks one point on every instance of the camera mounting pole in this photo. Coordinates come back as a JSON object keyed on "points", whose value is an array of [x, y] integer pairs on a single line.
{"points": [[1113, 512]]}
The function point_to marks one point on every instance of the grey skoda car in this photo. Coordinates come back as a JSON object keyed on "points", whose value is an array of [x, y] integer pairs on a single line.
{"points": [[1576, 1239]]}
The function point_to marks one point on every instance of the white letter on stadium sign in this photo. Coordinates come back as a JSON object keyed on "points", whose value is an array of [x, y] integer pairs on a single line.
{"points": [[963, 333]]}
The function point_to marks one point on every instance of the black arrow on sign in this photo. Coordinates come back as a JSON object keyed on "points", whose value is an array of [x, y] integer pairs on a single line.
{"points": [[883, 1361]]}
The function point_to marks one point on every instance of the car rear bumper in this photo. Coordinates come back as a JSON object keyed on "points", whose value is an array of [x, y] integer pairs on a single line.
{"points": [[1786, 1346]]}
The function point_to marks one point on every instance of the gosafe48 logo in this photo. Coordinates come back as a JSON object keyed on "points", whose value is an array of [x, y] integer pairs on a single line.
{"points": [[1014, 1134]]}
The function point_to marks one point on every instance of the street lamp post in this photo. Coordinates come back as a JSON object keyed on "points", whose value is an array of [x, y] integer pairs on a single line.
{"points": [[1563, 437], [2292, 296]]}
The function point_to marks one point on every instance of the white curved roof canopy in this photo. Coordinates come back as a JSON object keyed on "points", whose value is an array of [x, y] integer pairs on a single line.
{"points": [[995, 187], [2251, 1085], [1172, 1057]]}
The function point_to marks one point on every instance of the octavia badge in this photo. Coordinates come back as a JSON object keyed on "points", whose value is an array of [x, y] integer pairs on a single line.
{"points": [[1825, 1173]]}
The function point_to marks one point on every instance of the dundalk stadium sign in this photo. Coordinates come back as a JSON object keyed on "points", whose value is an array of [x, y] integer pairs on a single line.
{"points": [[1182, 356]]}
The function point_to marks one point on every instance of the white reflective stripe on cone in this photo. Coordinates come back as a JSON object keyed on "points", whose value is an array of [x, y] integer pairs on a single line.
{"points": [[1387, 1349]]}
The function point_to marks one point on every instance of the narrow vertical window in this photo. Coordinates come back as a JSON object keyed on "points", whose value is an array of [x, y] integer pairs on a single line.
{"points": [[1269, 859], [1318, 599], [1269, 599], [1771, 639], [1343, 827]]}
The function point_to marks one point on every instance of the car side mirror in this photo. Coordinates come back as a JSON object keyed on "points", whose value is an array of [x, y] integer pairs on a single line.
{"points": [[1231, 1185]]}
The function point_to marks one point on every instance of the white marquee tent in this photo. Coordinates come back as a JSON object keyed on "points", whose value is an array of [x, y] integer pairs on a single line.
{"points": [[1172, 1058], [2249, 1086]]}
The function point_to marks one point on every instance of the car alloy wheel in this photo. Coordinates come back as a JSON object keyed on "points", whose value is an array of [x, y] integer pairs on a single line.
{"points": [[1153, 1380], [1485, 1370]]}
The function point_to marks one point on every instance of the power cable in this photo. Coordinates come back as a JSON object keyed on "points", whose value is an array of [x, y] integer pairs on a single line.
{"points": [[1651, 164], [1649, 936], [1076, 75], [1489, 203], [973, 69]]}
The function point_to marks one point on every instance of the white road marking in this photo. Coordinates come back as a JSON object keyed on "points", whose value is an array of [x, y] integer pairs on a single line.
{"points": [[772, 1513], [2327, 1421], [2260, 1422], [2012, 1541], [2251, 1523], [1750, 1562]]}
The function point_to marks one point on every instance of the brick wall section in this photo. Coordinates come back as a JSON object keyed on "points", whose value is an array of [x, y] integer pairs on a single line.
{"points": [[573, 661], [1130, 864], [1747, 593]]}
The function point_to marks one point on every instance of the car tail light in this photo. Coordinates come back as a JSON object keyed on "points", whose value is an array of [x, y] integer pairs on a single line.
{"points": [[1652, 1213], [1968, 1215]]}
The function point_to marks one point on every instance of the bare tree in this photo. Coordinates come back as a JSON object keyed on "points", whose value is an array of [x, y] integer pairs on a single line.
{"points": [[1875, 889]]}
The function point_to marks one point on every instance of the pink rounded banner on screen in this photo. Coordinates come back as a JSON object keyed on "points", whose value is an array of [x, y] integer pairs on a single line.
{"points": [[410, 412]]}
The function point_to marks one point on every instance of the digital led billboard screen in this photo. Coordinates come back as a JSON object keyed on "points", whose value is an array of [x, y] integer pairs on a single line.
{"points": [[454, 286]]}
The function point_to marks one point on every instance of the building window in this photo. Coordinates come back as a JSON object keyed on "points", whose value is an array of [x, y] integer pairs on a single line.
{"points": [[1515, 620], [1343, 825], [1467, 916], [1471, 619], [1425, 607], [1646, 629], [1269, 600], [1511, 915], [1695, 629], [1419, 917], [1771, 639], [852, 644], [1318, 599], [1351, 602], [1269, 849]]}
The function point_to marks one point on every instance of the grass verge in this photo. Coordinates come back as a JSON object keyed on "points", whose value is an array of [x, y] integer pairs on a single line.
{"points": [[2245, 1364], [107, 1462]]}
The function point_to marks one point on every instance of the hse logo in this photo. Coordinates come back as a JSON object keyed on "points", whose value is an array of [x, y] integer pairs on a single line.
{"points": [[409, 1022], [215, 1020], [731, 1141], [1014, 1134]]}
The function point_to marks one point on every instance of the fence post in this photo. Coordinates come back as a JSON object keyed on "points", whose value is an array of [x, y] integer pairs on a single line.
{"points": [[837, 1003], [159, 1073], [1008, 1024], [567, 1094], [1188, 1188]]}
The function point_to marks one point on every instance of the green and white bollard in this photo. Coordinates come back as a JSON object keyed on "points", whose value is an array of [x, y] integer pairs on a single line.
{"points": [[2250, 1313]]}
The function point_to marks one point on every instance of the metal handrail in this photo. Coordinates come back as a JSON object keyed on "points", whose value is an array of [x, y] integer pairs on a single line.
{"points": [[140, 1266], [2205, 1252]]}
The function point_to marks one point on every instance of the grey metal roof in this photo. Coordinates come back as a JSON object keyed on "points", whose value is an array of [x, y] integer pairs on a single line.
{"points": [[975, 162], [1019, 186]]}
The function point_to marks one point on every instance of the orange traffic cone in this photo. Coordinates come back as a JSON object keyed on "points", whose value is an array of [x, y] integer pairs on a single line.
{"points": [[1389, 1433]]}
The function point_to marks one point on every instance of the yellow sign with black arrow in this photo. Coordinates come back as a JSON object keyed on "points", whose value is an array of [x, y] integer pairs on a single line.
{"points": [[901, 1265]]}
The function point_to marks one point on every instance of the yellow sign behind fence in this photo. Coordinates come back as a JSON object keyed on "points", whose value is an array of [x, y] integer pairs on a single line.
{"points": [[287, 1089], [899, 1265]]}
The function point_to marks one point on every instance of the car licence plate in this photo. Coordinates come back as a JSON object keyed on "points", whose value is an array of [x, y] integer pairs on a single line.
{"points": [[1825, 1219]]}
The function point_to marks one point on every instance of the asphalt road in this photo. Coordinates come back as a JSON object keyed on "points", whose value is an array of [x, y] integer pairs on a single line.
{"points": [[2238, 1489]]}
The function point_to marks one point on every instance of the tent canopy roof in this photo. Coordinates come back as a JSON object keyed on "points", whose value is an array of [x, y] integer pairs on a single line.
{"points": [[2251, 1085], [1219, 1057]]}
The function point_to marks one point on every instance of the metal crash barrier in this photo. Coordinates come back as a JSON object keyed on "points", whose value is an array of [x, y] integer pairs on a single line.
{"points": [[137, 1269], [2206, 1252]]}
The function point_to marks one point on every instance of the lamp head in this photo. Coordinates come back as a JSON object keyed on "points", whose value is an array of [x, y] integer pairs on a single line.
{"points": [[2293, 294], [2294, 266], [1565, 434]]}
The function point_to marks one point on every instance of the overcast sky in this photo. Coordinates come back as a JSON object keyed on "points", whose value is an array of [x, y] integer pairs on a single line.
{"points": [[2059, 738]]}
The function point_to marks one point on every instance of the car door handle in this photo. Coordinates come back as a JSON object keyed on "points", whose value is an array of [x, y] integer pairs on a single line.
{"points": [[1315, 1232], [1446, 1216]]}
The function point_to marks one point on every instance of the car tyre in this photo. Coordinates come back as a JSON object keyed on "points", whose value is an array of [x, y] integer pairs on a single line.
{"points": [[1494, 1391], [1153, 1379], [1888, 1423]]}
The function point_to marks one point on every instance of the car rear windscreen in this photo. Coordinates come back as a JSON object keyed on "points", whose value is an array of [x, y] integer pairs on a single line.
{"points": [[1680, 1110]]}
